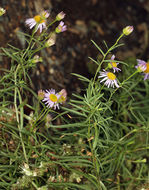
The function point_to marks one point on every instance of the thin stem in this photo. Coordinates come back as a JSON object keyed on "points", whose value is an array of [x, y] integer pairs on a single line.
{"points": [[34, 31], [94, 158], [122, 84], [19, 121], [98, 69], [34, 185]]}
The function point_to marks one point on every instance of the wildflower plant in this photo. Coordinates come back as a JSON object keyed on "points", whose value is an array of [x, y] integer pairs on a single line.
{"points": [[96, 140]]}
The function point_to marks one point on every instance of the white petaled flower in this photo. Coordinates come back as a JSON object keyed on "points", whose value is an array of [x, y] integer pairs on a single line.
{"points": [[51, 99], [38, 20], [114, 64], [109, 78]]}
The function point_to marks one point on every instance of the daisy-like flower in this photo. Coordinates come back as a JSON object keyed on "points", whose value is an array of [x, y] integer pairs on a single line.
{"points": [[61, 27], [143, 67], [38, 20], [51, 98], [114, 64], [109, 78]]}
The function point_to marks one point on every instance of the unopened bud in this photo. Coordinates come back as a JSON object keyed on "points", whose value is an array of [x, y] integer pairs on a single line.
{"points": [[128, 30], [2, 11], [41, 94], [51, 40], [37, 59], [60, 16], [63, 96]]}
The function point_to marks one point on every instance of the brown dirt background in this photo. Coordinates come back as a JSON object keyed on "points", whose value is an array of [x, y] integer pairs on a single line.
{"points": [[86, 19]]}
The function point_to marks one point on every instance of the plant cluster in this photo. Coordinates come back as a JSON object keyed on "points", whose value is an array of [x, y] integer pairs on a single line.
{"points": [[98, 139]]}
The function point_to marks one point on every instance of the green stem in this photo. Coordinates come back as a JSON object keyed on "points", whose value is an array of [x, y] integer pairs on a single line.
{"points": [[34, 185], [43, 33], [19, 120], [94, 158], [98, 69], [122, 84], [34, 31]]}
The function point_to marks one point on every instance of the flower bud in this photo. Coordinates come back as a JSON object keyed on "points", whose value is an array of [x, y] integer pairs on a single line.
{"points": [[2, 11], [41, 94], [60, 16], [63, 96], [128, 30], [51, 40], [37, 59], [109, 65]]}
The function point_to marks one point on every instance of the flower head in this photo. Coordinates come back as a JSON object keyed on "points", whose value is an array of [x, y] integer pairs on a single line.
{"points": [[128, 30], [143, 67], [38, 20], [51, 99], [113, 64], [60, 16], [2, 11], [61, 27], [109, 78]]}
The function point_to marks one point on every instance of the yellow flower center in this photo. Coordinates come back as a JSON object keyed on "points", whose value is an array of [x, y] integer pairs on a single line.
{"points": [[53, 98], [38, 19], [147, 68], [111, 76], [114, 64]]}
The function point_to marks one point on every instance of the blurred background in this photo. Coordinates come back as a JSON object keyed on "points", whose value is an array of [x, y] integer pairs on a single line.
{"points": [[86, 20]]}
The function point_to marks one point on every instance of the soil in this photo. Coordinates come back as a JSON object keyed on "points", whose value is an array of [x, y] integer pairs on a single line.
{"points": [[86, 19]]}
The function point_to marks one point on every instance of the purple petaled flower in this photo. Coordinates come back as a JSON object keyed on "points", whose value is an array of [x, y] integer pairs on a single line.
{"points": [[51, 99], [61, 27], [113, 64], [38, 20], [109, 78], [143, 67]]}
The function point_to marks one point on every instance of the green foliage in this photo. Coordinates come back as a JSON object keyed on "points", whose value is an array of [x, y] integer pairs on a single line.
{"points": [[98, 141]]}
